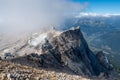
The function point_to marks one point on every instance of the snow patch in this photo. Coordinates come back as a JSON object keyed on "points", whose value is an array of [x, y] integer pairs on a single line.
{"points": [[36, 41]]}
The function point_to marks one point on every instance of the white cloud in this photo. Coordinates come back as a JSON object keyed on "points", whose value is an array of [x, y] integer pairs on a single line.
{"points": [[82, 14], [25, 15]]}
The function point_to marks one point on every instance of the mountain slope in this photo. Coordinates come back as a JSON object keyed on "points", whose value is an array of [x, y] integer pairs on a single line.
{"points": [[67, 51]]}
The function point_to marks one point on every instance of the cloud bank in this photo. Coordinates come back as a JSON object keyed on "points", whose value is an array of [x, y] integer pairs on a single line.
{"points": [[95, 15], [27, 15]]}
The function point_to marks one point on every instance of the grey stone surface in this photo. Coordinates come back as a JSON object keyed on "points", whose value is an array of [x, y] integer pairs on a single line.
{"points": [[67, 50]]}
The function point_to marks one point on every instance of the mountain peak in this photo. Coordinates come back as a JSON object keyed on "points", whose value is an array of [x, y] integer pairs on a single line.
{"points": [[66, 51]]}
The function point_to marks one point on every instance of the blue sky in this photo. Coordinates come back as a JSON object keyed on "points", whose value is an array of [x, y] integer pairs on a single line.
{"points": [[101, 6]]}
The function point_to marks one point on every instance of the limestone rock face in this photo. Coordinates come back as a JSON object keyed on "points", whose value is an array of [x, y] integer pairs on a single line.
{"points": [[67, 50]]}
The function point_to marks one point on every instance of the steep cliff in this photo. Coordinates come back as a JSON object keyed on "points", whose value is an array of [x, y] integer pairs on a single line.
{"points": [[66, 51]]}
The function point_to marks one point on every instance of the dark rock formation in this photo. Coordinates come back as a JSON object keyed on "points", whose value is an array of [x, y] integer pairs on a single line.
{"points": [[67, 50], [103, 60], [8, 55]]}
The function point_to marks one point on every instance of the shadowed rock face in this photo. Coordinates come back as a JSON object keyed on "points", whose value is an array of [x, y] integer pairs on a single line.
{"points": [[103, 60], [68, 50]]}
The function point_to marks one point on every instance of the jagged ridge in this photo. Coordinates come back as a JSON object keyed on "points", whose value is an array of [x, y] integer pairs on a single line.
{"points": [[67, 51]]}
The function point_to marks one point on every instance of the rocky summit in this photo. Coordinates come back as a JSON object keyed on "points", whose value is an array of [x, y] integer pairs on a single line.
{"points": [[65, 52]]}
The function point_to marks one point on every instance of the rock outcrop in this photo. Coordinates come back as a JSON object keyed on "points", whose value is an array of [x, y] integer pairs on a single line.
{"points": [[68, 51], [103, 60]]}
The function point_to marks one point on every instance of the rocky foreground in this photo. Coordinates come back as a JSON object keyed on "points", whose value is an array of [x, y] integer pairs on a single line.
{"points": [[56, 56], [11, 71]]}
